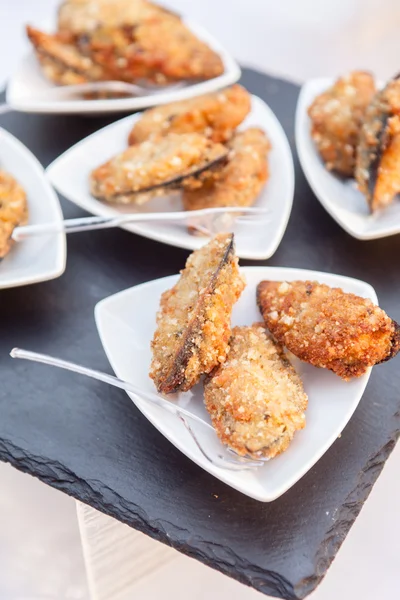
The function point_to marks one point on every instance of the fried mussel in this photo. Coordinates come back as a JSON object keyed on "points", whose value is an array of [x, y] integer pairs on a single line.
{"points": [[157, 166], [193, 146], [378, 158], [241, 180], [356, 130], [193, 323], [327, 327], [336, 119], [255, 397], [126, 40], [62, 61], [215, 115]]}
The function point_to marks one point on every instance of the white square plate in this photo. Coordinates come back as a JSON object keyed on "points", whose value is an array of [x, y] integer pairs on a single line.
{"points": [[70, 176], [340, 197], [126, 323], [27, 88], [39, 258]]}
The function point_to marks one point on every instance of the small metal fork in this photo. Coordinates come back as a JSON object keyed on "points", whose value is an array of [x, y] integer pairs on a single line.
{"points": [[134, 90], [208, 221], [226, 459], [118, 89]]}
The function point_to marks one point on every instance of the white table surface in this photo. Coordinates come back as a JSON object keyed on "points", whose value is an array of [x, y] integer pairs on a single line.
{"points": [[40, 554]]}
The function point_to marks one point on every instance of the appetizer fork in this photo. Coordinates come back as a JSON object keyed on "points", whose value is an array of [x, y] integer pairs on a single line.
{"points": [[116, 88], [208, 221], [65, 92], [226, 459]]}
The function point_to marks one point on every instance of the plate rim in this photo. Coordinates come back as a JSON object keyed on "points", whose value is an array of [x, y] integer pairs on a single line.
{"points": [[263, 254], [101, 306], [308, 171], [61, 258]]}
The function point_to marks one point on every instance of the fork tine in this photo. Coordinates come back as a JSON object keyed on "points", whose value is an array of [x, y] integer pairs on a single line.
{"points": [[261, 459], [231, 464], [250, 218]]}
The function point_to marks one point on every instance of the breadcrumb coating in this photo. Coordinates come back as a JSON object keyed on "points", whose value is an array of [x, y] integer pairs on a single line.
{"points": [[240, 182], [336, 118], [83, 16], [61, 61], [327, 327], [214, 115], [13, 210], [255, 398], [154, 165], [193, 324], [159, 49], [378, 154], [126, 40]]}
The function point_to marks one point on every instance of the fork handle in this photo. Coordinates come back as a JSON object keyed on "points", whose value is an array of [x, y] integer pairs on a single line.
{"points": [[92, 223], [85, 224], [141, 395], [67, 226], [106, 378]]}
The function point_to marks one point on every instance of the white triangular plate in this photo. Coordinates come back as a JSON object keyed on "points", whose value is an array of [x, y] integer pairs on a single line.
{"points": [[39, 258], [126, 323], [70, 176], [339, 197], [27, 88]]}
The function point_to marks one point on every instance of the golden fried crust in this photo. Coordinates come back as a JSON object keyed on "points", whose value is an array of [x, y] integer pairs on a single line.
{"points": [[326, 327], [83, 16], [240, 182], [378, 153], [193, 324], [61, 61], [336, 119], [255, 398], [13, 210], [159, 48], [168, 162], [215, 115]]}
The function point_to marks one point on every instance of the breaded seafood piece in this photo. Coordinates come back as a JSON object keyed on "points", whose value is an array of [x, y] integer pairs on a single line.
{"points": [[240, 182], [159, 49], [61, 61], [153, 166], [378, 155], [83, 16], [336, 118], [214, 115], [193, 324], [13, 210], [255, 398], [327, 327]]}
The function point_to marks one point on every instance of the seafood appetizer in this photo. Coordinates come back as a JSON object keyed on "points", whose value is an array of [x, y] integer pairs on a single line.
{"points": [[255, 398], [156, 166], [241, 180], [61, 60], [336, 120], [214, 115], [159, 50], [126, 40], [327, 327], [77, 17], [378, 155], [13, 210], [193, 324]]}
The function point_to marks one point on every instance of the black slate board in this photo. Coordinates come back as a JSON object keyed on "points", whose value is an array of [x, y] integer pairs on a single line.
{"points": [[90, 441]]}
